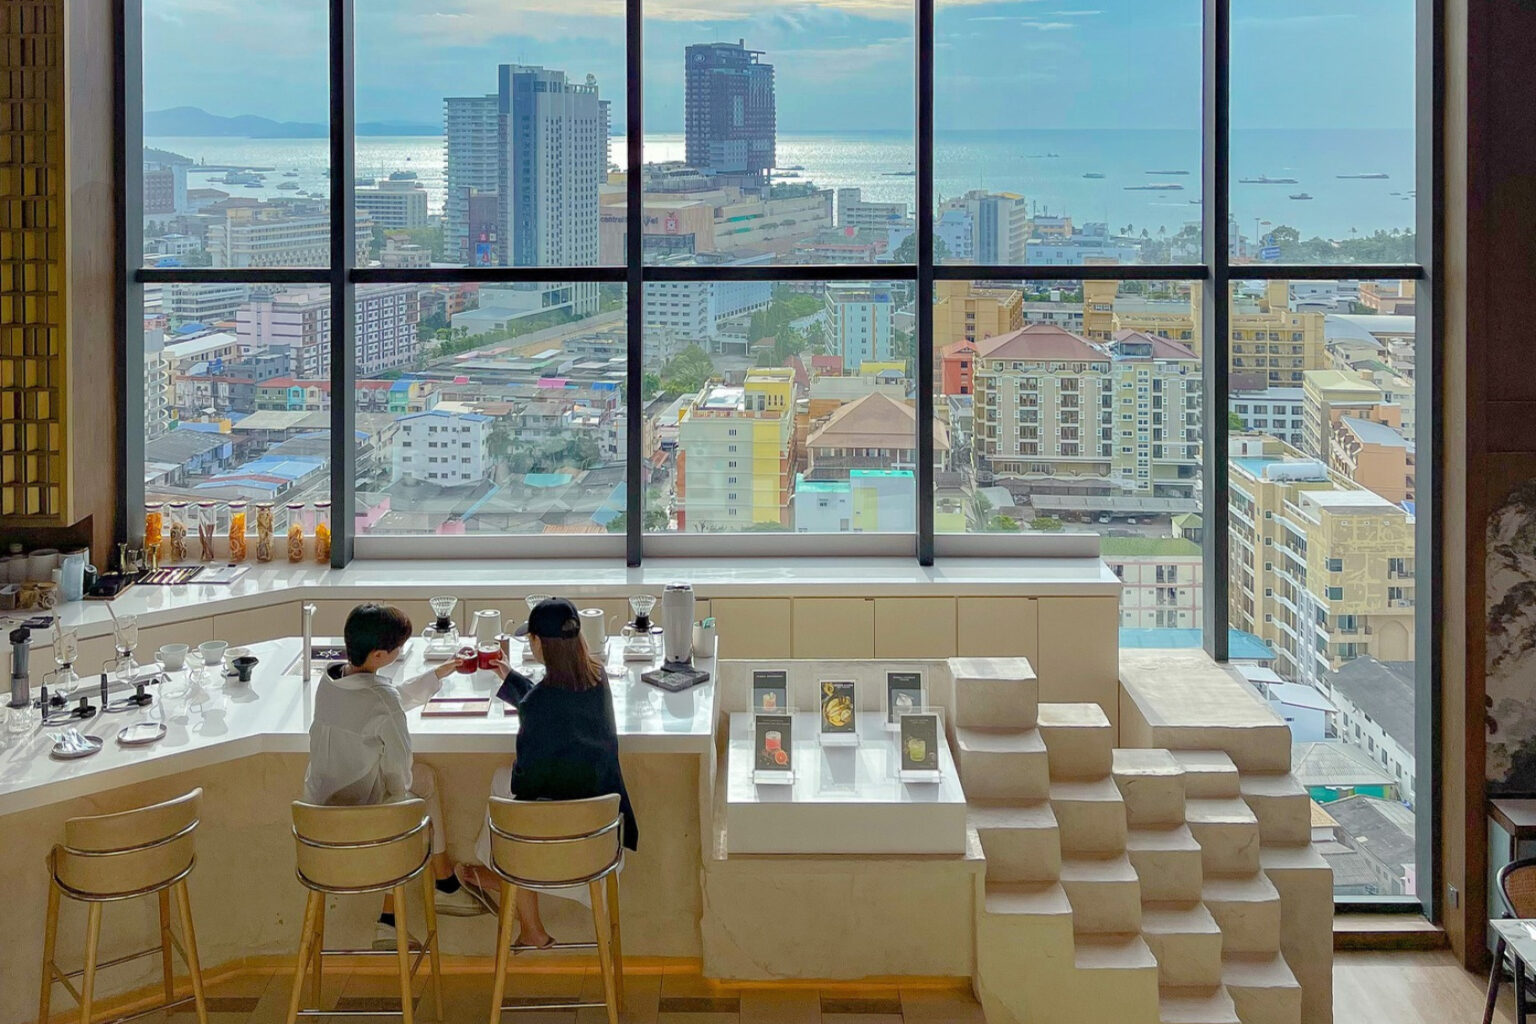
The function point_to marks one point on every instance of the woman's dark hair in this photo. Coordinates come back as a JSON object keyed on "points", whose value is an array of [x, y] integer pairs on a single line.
{"points": [[375, 627], [568, 665]]}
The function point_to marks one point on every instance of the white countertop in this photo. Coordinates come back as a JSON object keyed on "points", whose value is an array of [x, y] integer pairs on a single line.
{"points": [[265, 585], [225, 720]]}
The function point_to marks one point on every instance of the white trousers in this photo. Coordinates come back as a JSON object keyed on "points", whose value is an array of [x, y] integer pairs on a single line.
{"points": [[424, 785]]}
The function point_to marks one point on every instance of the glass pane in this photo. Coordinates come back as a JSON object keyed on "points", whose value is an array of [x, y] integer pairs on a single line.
{"points": [[236, 135], [457, 110], [775, 138], [780, 407], [490, 408], [1323, 141], [1323, 563], [236, 393], [1079, 412], [1067, 135]]}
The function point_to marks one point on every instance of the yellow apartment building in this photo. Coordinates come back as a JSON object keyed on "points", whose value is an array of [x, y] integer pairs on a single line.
{"points": [[737, 454]]}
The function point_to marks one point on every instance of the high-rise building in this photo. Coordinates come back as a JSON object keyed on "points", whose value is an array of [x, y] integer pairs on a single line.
{"points": [[553, 161], [736, 453], [998, 223], [396, 202], [860, 322], [472, 152], [443, 448], [1322, 569], [280, 235], [385, 318], [1063, 415], [729, 112], [854, 211], [1329, 396], [968, 311]]}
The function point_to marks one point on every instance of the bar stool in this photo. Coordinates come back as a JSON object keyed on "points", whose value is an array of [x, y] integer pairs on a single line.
{"points": [[346, 851], [554, 844], [107, 858]]}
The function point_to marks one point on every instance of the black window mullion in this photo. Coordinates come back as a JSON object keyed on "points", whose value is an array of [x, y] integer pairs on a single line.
{"points": [[923, 472], [634, 297], [129, 173], [342, 289], [1215, 321]]}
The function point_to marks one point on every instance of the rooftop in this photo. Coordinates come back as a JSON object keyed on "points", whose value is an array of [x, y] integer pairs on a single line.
{"points": [[875, 421], [1335, 763], [1382, 829], [1371, 432], [1384, 690], [1040, 343], [1111, 547], [1240, 646]]}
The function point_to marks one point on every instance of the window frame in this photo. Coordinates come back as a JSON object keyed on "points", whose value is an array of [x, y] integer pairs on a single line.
{"points": [[342, 277]]}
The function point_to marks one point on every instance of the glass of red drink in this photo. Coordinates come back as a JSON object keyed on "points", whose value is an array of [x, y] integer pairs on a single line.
{"points": [[467, 660], [488, 655]]}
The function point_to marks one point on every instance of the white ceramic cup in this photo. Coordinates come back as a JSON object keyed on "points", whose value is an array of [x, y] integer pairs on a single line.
{"points": [[212, 652], [173, 657]]}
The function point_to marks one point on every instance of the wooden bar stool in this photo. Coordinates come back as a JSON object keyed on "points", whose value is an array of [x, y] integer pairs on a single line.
{"points": [[107, 858], [555, 844], [368, 849]]}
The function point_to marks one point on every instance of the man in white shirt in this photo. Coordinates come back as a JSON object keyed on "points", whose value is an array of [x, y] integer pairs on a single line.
{"points": [[360, 746]]}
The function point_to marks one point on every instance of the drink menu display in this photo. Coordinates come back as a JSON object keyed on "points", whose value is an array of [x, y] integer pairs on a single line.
{"points": [[920, 746], [773, 749], [838, 708], [903, 693], [770, 690]]}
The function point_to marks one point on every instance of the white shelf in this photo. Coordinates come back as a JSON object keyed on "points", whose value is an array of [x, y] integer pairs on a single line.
{"points": [[843, 799]]}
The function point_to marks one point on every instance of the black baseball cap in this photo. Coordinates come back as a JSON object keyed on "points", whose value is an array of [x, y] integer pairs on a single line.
{"points": [[553, 618]]}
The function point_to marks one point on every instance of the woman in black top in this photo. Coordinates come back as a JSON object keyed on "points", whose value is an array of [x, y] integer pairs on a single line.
{"points": [[567, 739]]}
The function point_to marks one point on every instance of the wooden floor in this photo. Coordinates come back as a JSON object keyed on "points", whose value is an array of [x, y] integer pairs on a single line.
{"points": [[1410, 988], [1390, 988]]}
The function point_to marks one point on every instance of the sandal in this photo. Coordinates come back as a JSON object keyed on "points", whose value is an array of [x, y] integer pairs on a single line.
{"points": [[477, 892]]}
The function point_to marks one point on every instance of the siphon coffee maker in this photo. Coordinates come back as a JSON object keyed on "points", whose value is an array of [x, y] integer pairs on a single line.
{"points": [[442, 634], [642, 641]]}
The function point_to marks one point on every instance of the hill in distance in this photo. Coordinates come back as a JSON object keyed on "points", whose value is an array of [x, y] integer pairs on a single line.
{"points": [[192, 122]]}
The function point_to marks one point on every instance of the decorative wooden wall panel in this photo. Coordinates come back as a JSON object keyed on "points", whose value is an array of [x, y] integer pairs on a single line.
{"points": [[33, 353]]}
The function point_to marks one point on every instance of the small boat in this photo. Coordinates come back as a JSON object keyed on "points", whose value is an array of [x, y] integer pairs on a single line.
{"points": [[1167, 172], [1265, 179], [795, 167], [1093, 174], [1154, 188], [1301, 195], [289, 185], [900, 174], [1375, 176], [253, 184], [290, 174], [1195, 202]]}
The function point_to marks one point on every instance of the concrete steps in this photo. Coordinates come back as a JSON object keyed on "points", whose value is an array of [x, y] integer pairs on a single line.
{"points": [[1263, 989], [1079, 738], [995, 693], [1090, 814], [1208, 774], [1186, 941], [1305, 884], [1104, 894], [1203, 1005], [1228, 833], [1281, 804], [1002, 764], [1020, 841], [1151, 783], [1248, 911], [1167, 861]]}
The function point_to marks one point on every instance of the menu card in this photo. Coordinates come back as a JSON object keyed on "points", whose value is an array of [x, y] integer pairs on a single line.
{"points": [[773, 749], [839, 711], [903, 693], [770, 690], [920, 746]]}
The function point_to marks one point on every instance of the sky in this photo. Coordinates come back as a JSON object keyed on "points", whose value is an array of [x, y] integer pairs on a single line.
{"points": [[839, 64]]}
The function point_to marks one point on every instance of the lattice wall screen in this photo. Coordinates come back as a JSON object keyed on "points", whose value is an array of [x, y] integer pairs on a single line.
{"points": [[32, 270]]}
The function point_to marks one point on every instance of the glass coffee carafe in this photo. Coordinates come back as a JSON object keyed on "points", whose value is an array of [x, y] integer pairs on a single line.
{"points": [[442, 634], [642, 639]]}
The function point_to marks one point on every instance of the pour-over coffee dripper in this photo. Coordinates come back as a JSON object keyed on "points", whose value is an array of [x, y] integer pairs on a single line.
{"points": [[641, 605], [442, 634]]}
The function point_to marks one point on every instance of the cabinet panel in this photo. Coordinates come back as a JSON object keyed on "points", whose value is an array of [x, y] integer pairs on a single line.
{"points": [[257, 624], [753, 627], [998, 627], [915, 627], [834, 627], [1080, 651]]}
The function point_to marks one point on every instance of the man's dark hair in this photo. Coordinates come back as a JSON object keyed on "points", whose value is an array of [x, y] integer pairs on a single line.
{"points": [[375, 627]]}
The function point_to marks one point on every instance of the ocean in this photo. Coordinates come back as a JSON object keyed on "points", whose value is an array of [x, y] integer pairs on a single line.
{"points": [[1047, 167]]}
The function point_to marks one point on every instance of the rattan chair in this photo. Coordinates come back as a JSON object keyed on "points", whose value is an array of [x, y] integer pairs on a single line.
{"points": [[1517, 891], [366, 849], [108, 858], [544, 845]]}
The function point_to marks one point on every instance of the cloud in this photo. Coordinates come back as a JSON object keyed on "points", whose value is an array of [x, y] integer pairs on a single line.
{"points": [[1023, 22], [1074, 14]]}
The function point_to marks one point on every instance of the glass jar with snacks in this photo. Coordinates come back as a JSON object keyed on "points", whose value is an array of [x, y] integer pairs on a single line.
{"points": [[295, 531], [323, 532], [207, 523], [237, 548]]}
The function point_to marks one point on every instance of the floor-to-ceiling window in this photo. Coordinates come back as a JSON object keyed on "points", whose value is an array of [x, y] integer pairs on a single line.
{"points": [[960, 277]]}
